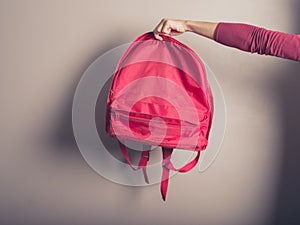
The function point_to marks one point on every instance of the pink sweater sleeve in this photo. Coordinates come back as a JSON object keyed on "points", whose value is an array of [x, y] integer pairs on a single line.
{"points": [[258, 40]]}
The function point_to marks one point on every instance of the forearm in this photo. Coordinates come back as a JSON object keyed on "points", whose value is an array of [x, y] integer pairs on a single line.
{"points": [[206, 29]]}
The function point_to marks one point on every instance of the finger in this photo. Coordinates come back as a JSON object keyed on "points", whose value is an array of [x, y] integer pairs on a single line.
{"points": [[176, 29], [157, 30], [166, 28], [157, 36]]}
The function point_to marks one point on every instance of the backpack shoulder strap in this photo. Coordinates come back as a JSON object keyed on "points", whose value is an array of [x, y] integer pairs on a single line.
{"points": [[142, 163], [167, 166]]}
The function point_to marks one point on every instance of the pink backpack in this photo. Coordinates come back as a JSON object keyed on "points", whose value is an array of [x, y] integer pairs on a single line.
{"points": [[160, 96]]}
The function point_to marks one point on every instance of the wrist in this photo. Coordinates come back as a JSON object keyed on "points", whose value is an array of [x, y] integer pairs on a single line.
{"points": [[188, 25]]}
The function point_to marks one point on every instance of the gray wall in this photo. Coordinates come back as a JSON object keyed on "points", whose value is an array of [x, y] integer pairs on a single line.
{"points": [[45, 46]]}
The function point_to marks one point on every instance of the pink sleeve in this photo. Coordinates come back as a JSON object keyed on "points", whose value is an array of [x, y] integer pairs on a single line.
{"points": [[258, 40]]}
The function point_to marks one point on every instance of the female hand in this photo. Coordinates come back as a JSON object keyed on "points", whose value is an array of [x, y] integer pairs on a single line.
{"points": [[169, 27]]}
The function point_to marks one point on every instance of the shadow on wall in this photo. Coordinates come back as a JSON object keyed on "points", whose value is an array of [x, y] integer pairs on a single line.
{"points": [[287, 205], [62, 137]]}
